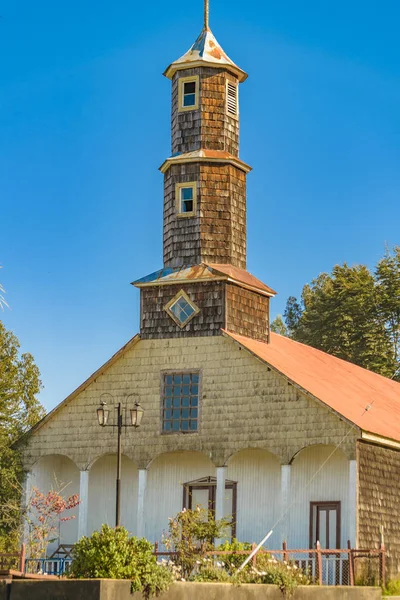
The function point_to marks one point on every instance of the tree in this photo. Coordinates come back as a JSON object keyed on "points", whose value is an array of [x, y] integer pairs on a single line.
{"points": [[19, 410], [351, 313], [387, 275], [278, 325]]}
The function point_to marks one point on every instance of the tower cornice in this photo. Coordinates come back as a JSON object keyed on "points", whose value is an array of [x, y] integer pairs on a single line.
{"points": [[205, 156]]}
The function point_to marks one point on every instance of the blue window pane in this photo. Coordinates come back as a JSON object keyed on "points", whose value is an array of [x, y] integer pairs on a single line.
{"points": [[175, 425], [186, 379], [187, 193], [186, 401], [167, 426], [186, 390], [193, 413], [195, 401], [168, 379], [177, 390], [193, 425], [167, 414], [189, 100], [177, 402], [185, 425], [195, 378], [185, 413], [168, 390], [177, 379], [176, 413], [195, 390], [167, 402]]}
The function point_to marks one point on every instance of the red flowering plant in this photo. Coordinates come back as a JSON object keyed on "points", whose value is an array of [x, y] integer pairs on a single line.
{"points": [[45, 513]]}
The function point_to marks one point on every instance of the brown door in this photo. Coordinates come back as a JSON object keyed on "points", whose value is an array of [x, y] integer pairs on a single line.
{"points": [[325, 525]]}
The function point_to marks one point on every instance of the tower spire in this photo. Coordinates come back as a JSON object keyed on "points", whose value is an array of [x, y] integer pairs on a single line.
{"points": [[206, 14]]}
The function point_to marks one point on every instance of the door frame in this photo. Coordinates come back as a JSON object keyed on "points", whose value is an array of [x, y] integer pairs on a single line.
{"points": [[334, 504]]}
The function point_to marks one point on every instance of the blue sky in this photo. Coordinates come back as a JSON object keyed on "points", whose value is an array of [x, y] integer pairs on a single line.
{"points": [[84, 126]]}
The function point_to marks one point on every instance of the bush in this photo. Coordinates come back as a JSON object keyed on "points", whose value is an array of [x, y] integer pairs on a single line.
{"points": [[233, 561], [392, 588], [191, 535], [287, 576], [112, 554]]}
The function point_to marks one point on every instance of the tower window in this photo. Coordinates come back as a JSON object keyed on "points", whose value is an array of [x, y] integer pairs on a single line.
{"points": [[186, 199], [181, 309], [180, 402], [231, 99], [188, 93]]}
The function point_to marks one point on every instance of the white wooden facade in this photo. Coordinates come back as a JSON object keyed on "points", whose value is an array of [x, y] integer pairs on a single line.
{"points": [[269, 495]]}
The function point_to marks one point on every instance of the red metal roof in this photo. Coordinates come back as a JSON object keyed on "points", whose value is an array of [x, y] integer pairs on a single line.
{"points": [[241, 276], [344, 387]]}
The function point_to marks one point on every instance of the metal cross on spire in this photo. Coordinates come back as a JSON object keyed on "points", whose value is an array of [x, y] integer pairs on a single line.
{"points": [[206, 14]]}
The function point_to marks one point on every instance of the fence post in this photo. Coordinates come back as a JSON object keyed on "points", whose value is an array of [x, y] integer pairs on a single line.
{"points": [[155, 548], [285, 552], [22, 558], [319, 563], [351, 564], [383, 565], [254, 559]]}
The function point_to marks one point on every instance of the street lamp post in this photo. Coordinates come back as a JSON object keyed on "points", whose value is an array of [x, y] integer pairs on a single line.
{"points": [[136, 415]]}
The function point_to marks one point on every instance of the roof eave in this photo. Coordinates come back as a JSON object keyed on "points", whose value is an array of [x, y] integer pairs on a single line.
{"points": [[190, 64], [177, 160]]}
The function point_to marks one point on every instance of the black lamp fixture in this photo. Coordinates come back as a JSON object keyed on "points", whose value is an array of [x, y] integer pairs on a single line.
{"points": [[136, 415]]}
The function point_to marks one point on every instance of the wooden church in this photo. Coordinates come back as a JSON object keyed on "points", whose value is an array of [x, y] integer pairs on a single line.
{"points": [[273, 433]]}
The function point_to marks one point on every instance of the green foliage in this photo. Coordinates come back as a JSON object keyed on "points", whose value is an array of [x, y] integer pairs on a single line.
{"points": [[191, 535], [112, 554], [19, 410], [353, 314], [278, 326], [210, 571], [267, 570], [233, 561], [287, 576], [392, 588]]}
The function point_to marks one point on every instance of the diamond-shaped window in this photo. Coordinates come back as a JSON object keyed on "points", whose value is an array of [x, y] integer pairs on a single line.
{"points": [[181, 309]]}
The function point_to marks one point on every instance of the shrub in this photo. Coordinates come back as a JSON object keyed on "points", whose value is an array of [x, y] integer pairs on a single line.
{"points": [[287, 576], [233, 561], [112, 554], [208, 570], [392, 588], [191, 535]]}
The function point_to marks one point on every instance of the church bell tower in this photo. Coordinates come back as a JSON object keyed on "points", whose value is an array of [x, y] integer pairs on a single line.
{"points": [[204, 286]]}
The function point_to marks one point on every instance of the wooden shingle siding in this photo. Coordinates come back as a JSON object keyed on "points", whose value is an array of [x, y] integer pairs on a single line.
{"points": [[273, 414], [378, 501], [156, 323], [247, 313], [218, 232], [208, 127]]}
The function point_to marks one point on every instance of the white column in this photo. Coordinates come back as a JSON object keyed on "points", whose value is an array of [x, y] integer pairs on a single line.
{"points": [[141, 524], [26, 494], [285, 501], [220, 493], [84, 501], [352, 523]]}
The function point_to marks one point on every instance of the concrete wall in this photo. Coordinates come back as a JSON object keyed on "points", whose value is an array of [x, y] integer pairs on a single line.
{"points": [[120, 590]]}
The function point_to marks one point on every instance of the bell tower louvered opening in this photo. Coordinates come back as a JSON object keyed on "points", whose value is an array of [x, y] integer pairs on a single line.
{"points": [[231, 98]]}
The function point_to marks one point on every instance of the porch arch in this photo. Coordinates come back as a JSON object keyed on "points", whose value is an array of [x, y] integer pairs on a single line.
{"points": [[58, 472], [314, 481], [164, 494], [258, 476], [102, 493]]}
